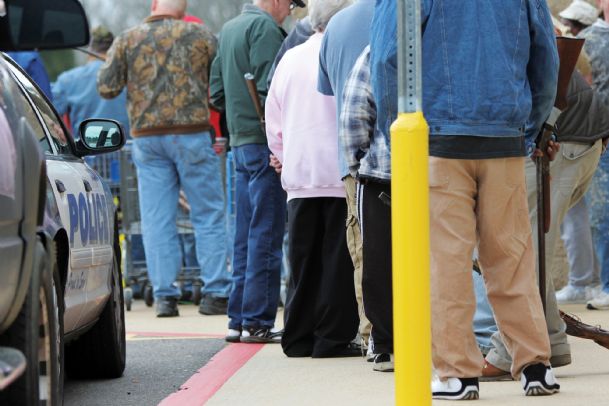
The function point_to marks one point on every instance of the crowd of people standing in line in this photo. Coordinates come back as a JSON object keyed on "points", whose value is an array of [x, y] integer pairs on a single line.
{"points": [[322, 156]]}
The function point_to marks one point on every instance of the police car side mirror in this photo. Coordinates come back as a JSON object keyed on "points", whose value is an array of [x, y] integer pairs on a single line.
{"points": [[99, 136]]}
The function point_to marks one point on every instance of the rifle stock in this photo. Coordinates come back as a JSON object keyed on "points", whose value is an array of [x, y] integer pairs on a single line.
{"points": [[253, 91], [568, 53]]}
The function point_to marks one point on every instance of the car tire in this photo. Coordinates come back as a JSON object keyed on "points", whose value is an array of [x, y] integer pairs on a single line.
{"points": [[51, 364], [37, 332], [101, 351]]}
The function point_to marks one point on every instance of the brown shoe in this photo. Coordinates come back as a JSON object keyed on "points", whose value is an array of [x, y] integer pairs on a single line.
{"points": [[576, 328], [491, 373]]}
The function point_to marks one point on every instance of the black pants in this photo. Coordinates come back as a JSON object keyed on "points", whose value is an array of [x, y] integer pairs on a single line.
{"points": [[322, 309], [375, 220]]}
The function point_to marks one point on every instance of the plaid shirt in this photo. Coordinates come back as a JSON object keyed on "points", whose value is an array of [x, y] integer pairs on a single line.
{"points": [[366, 150]]}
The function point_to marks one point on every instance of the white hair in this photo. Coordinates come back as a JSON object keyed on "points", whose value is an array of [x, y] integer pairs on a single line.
{"points": [[321, 11]]}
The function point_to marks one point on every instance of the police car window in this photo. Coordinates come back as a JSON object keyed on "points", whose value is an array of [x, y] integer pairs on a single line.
{"points": [[15, 106], [58, 135]]}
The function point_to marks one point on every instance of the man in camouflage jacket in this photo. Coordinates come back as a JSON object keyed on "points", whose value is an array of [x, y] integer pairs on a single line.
{"points": [[164, 64]]}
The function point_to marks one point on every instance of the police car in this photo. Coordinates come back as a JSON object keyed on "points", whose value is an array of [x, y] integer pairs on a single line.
{"points": [[61, 296]]}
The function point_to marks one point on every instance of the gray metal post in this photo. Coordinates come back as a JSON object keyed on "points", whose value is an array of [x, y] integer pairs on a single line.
{"points": [[409, 56]]}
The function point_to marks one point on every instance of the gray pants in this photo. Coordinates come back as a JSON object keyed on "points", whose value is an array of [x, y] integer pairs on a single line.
{"points": [[572, 171]]}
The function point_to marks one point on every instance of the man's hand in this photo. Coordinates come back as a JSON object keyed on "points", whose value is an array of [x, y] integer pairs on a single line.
{"points": [[551, 151], [274, 162]]}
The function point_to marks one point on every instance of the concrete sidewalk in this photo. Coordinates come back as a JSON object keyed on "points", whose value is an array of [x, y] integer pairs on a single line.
{"points": [[270, 378]]}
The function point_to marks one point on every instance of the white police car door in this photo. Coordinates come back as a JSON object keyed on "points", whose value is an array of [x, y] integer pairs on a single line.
{"points": [[82, 211]]}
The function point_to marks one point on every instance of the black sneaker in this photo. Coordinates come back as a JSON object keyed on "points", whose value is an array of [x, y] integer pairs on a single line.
{"points": [[539, 380], [263, 335], [455, 389], [212, 306], [167, 307], [383, 363]]}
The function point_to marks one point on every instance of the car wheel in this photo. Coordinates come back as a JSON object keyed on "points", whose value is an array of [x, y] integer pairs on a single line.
{"points": [[100, 352], [37, 332], [50, 338]]}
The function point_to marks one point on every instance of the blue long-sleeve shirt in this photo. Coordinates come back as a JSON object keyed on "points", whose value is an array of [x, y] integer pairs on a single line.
{"points": [[32, 63], [75, 94]]}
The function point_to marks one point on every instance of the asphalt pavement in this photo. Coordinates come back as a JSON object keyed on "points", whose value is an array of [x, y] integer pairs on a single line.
{"points": [[162, 354], [155, 368]]}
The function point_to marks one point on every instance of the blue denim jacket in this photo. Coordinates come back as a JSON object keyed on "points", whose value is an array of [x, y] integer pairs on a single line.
{"points": [[489, 67]]}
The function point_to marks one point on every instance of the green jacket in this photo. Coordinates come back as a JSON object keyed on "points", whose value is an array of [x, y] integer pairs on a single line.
{"points": [[248, 43]]}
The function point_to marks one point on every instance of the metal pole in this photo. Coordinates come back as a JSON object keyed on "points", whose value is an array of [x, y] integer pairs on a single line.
{"points": [[410, 213]]}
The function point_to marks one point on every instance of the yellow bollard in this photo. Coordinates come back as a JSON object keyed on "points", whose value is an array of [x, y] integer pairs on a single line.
{"points": [[410, 235]]}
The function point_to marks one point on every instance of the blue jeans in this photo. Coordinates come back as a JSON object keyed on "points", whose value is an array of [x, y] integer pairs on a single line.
{"points": [[577, 237], [598, 205], [260, 223], [166, 163], [484, 319]]}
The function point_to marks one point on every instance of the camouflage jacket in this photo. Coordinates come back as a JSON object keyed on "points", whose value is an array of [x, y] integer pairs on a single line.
{"points": [[597, 48], [164, 63]]}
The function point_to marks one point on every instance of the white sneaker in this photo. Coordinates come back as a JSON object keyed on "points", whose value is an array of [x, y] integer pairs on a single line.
{"points": [[455, 388], [370, 350], [600, 301], [233, 336], [539, 380], [571, 294], [384, 363]]}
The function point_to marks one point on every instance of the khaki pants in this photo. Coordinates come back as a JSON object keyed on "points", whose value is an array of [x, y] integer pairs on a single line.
{"points": [[572, 172], [354, 243], [484, 202]]}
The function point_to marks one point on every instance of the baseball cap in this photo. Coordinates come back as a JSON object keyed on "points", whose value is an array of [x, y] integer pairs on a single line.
{"points": [[101, 38], [580, 11]]}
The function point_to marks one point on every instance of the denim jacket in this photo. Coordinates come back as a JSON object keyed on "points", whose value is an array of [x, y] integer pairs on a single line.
{"points": [[489, 67]]}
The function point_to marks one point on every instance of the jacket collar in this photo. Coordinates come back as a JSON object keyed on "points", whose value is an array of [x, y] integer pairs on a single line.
{"points": [[159, 17], [251, 9]]}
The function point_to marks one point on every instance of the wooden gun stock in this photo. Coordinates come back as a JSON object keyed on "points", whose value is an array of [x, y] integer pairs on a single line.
{"points": [[568, 53], [253, 91]]}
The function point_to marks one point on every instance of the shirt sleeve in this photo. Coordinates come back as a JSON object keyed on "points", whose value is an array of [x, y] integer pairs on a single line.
{"points": [[60, 99], [265, 41], [542, 68], [358, 116], [216, 85], [273, 117], [323, 80], [112, 76], [38, 72]]}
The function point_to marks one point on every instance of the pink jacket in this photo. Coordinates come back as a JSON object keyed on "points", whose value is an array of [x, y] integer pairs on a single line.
{"points": [[301, 126]]}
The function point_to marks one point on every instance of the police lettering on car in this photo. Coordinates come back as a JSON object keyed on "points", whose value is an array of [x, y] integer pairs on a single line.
{"points": [[89, 218]]}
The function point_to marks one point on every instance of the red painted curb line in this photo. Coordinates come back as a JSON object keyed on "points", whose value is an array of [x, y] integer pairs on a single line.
{"points": [[197, 390], [167, 334]]}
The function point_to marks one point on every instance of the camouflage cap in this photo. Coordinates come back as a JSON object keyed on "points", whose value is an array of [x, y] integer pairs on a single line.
{"points": [[101, 38]]}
